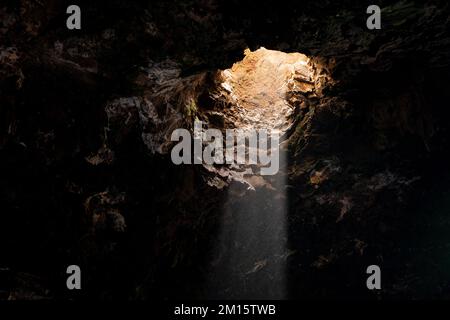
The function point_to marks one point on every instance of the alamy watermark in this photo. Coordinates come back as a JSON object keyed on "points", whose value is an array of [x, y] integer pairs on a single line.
{"points": [[252, 147]]}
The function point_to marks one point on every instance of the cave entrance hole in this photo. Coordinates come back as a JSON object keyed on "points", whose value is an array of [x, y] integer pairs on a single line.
{"points": [[259, 84]]}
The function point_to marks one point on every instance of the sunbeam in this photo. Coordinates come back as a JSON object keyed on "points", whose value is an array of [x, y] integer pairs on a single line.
{"points": [[252, 244]]}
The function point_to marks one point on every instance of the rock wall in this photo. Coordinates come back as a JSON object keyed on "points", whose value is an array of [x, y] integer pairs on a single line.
{"points": [[84, 117]]}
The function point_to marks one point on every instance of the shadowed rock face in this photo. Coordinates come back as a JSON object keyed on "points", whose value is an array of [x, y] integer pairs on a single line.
{"points": [[86, 175]]}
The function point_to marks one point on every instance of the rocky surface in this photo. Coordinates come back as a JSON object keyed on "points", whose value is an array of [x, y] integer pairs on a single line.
{"points": [[86, 177]]}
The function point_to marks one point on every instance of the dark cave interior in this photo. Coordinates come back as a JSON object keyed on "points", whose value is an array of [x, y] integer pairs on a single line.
{"points": [[85, 168]]}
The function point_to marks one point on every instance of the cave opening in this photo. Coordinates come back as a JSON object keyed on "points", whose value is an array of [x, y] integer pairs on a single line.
{"points": [[258, 86]]}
